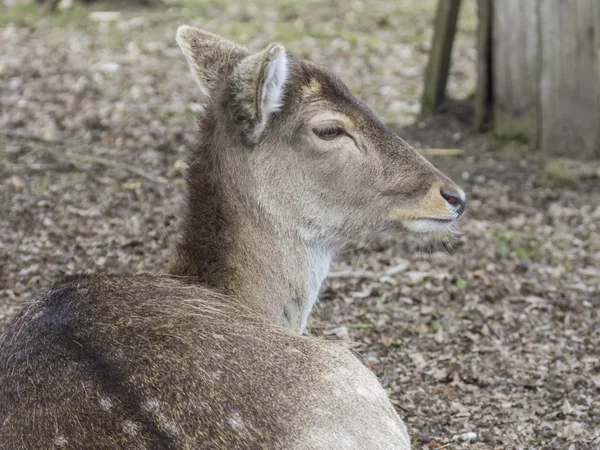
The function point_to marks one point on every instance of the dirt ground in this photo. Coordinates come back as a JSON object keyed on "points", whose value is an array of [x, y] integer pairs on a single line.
{"points": [[497, 334]]}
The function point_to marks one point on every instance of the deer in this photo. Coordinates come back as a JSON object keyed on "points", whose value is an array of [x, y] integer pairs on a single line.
{"points": [[288, 167]]}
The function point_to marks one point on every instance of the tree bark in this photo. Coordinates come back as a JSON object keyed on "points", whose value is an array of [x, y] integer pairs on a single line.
{"points": [[570, 78], [515, 62], [439, 56]]}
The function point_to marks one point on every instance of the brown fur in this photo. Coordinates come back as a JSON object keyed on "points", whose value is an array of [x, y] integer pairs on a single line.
{"points": [[97, 362], [210, 356]]}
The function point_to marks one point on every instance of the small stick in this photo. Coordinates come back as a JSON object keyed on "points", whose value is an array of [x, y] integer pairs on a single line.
{"points": [[71, 157], [369, 273], [441, 151]]}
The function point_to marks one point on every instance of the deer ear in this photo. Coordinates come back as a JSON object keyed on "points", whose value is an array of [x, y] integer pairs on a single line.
{"points": [[209, 56], [260, 83]]}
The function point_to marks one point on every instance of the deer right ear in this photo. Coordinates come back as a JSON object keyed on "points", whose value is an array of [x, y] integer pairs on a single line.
{"points": [[209, 56]]}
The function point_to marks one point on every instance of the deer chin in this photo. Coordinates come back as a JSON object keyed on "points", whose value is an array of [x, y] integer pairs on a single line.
{"points": [[431, 226]]}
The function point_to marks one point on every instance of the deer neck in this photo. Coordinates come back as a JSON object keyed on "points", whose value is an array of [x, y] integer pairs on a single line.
{"points": [[228, 242]]}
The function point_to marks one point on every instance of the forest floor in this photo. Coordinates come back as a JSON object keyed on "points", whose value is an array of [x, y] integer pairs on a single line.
{"points": [[497, 335]]}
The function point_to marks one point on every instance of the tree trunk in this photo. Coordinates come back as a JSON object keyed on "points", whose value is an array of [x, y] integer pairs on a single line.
{"points": [[439, 56], [569, 85], [515, 62], [483, 95], [546, 74]]}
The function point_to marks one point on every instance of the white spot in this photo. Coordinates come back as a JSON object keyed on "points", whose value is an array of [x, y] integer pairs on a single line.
{"points": [[106, 403], [118, 355], [169, 425], [151, 404], [130, 427], [60, 441], [236, 422], [134, 379]]}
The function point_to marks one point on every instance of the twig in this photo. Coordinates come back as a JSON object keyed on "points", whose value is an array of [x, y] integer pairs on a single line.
{"points": [[29, 137], [369, 273], [72, 157], [440, 151], [103, 161]]}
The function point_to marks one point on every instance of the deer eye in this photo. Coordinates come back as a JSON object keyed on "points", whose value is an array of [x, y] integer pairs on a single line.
{"points": [[329, 133]]}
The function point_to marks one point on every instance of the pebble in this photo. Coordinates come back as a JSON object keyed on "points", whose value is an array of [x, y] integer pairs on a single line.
{"points": [[465, 437], [104, 16]]}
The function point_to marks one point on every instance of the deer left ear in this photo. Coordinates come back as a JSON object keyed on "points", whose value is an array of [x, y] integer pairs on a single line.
{"points": [[260, 84], [209, 56]]}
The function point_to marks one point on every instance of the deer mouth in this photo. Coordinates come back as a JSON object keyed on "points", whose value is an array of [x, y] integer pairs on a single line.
{"points": [[431, 225]]}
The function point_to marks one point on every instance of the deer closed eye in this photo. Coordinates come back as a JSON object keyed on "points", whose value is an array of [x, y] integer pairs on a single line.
{"points": [[330, 132]]}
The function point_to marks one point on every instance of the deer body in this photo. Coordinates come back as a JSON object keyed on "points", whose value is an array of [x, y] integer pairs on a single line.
{"points": [[289, 166], [97, 363]]}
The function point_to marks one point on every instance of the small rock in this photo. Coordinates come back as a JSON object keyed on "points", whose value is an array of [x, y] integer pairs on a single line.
{"points": [[439, 336], [547, 428], [567, 408], [17, 182], [416, 277], [425, 438], [456, 407], [29, 270], [109, 67], [341, 332], [418, 360], [104, 16], [465, 437], [180, 165]]}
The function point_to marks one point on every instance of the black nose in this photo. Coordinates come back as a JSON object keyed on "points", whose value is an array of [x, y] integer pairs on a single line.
{"points": [[456, 199]]}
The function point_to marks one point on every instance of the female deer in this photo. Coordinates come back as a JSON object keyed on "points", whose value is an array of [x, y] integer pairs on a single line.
{"points": [[289, 165]]}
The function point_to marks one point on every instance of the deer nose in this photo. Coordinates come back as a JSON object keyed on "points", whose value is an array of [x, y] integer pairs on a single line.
{"points": [[455, 198]]}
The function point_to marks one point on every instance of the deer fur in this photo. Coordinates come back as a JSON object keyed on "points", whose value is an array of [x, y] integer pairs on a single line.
{"points": [[288, 167]]}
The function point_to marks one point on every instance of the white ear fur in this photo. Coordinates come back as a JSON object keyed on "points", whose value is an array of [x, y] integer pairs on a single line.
{"points": [[260, 83], [260, 77], [276, 75]]}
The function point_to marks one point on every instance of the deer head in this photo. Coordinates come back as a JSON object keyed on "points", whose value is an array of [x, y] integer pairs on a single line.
{"points": [[315, 157]]}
